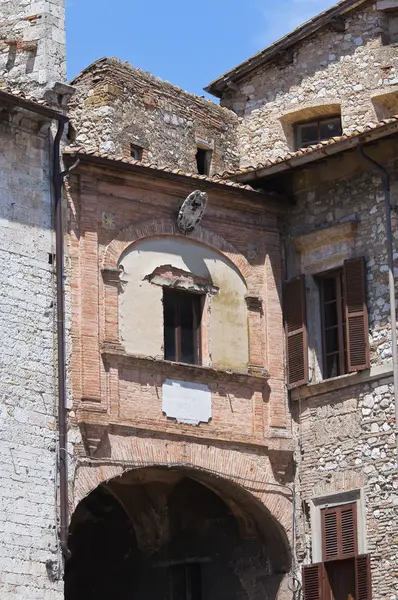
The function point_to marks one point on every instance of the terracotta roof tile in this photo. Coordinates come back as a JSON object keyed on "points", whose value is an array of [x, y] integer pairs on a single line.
{"points": [[20, 94], [217, 179], [312, 149]]}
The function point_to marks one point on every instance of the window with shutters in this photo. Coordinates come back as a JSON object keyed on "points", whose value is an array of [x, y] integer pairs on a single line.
{"points": [[343, 574], [343, 327]]}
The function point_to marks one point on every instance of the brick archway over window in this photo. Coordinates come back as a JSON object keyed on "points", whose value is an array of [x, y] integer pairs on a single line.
{"points": [[159, 227], [253, 474]]}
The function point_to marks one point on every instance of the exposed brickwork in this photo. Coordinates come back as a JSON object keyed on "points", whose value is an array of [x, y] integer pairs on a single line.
{"points": [[114, 392]]}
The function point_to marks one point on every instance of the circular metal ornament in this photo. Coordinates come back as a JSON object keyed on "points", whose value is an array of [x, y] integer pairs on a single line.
{"points": [[192, 211]]}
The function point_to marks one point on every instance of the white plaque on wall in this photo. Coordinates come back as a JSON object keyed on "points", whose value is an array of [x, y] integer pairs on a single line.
{"points": [[186, 401]]}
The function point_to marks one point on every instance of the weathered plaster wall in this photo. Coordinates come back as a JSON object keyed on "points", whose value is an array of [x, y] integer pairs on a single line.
{"points": [[141, 307], [116, 105], [28, 536], [32, 44], [349, 69]]}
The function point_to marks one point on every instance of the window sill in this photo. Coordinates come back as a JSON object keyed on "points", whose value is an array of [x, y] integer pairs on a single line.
{"points": [[343, 381], [182, 369]]}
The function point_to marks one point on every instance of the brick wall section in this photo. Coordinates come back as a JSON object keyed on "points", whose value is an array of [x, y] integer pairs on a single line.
{"points": [[116, 105], [28, 536], [32, 44], [348, 68], [248, 415], [345, 436]]}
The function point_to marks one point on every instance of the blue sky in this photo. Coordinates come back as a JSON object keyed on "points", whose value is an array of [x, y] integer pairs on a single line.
{"points": [[186, 42]]}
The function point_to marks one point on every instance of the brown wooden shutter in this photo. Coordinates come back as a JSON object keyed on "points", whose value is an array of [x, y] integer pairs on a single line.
{"points": [[339, 532], [313, 582], [356, 314], [296, 331], [363, 582]]}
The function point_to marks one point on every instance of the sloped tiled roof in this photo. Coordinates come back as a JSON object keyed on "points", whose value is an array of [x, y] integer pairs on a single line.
{"points": [[88, 153], [20, 98], [306, 29], [318, 151]]}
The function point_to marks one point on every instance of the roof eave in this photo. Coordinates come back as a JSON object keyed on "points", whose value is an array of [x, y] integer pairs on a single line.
{"points": [[31, 106], [318, 154], [121, 165], [217, 86]]}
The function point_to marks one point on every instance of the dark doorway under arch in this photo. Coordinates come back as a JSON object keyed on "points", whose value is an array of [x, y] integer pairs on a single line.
{"points": [[163, 535]]}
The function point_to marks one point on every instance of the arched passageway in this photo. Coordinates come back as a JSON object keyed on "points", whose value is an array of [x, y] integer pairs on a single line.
{"points": [[167, 535]]}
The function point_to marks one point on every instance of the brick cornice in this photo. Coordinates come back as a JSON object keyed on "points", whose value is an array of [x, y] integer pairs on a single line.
{"points": [[200, 372]]}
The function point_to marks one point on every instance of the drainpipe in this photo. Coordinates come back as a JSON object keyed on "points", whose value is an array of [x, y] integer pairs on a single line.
{"points": [[62, 423], [385, 178]]}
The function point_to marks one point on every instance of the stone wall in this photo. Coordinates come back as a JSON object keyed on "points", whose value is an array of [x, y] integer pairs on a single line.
{"points": [[346, 442], [350, 70], [32, 44], [116, 105], [345, 426], [29, 557]]}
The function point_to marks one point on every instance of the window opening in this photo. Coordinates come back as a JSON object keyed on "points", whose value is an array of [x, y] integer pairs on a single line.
{"points": [[203, 161], [185, 582], [333, 324], [313, 132], [136, 152], [343, 574], [182, 313]]}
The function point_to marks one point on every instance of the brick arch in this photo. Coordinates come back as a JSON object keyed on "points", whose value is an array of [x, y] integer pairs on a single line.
{"points": [[158, 227], [249, 471]]}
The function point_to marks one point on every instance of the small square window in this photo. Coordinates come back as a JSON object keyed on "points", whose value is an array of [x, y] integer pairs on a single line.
{"points": [[313, 132], [136, 152], [182, 314], [203, 161]]}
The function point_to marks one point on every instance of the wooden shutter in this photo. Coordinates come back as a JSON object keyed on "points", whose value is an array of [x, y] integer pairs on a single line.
{"points": [[339, 532], [363, 583], [356, 314], [313, 582], [296, 331]]}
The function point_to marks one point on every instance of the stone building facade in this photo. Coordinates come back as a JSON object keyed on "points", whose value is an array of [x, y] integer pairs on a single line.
{"points": [[32, 59], [178, 390], [29, 548], [32, 45], [342, 63], [130, 113], [344, 423]]}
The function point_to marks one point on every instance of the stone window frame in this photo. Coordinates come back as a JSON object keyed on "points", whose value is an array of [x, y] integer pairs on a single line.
{"points": [[321, 251], [316, 505], [385, 105], [326, 109], [389, 8]]}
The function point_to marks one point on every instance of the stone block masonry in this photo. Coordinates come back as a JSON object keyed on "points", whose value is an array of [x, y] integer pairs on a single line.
{"points": [[32, 44], [116, 106], [28, 536]]}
